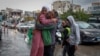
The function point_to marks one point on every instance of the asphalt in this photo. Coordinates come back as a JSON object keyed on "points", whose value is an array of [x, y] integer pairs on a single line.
{"points": [[13, 44]]}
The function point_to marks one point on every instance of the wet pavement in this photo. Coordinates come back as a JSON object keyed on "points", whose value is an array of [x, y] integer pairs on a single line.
{"points": [[83, 50], [13, 44]]}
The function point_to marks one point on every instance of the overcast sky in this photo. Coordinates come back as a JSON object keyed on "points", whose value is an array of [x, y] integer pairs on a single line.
{"points": [[31, 5]]}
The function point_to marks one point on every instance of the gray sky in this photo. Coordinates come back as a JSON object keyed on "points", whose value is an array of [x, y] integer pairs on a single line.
{"points": [[31, 5]]}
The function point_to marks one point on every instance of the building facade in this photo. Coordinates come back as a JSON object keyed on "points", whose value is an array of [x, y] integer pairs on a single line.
{"points": [[64, 6], [14, 13], [94, 9]]}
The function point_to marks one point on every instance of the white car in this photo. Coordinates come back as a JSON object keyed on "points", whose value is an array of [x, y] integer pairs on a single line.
{"points": [[25, 26]]}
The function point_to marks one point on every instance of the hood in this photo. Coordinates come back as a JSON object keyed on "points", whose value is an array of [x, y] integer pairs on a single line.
{"points": [[71, 20]]}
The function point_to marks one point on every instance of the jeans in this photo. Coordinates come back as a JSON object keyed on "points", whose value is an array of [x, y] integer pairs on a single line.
{"points": [[69, 49]]}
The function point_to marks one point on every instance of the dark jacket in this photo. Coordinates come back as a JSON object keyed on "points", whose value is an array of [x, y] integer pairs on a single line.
{"points": [[65, 36]]}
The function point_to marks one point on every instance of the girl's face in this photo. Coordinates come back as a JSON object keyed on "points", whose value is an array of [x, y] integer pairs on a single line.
{"points": [[44, 10]]}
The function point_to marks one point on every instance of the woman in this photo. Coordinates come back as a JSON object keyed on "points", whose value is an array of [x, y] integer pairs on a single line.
{"points": [[37, 43]]}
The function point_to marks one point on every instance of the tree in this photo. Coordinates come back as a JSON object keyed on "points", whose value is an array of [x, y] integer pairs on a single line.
{"points": [[66, 14], [78, 15]]}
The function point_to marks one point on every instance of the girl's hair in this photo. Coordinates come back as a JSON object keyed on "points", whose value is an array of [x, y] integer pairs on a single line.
{"points": [[55, 12], [50, 15]]}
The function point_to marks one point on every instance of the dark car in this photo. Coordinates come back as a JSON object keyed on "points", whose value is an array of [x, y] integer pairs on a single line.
{"points": [[95, 22], [88, 33], [0, 32]]}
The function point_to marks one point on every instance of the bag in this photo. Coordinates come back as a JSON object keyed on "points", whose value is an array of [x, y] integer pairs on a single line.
{"points": [[46, 37]]}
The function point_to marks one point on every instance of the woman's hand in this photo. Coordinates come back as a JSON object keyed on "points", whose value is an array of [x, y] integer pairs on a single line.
{"points": [[54, 20]]}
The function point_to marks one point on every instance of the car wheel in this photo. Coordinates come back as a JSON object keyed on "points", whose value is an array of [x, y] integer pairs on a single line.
{"points": [[81, 36]]}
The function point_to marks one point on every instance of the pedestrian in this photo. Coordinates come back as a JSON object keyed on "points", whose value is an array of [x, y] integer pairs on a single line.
{"points": [[59, 26], [49, 50], [4, 26], [72, 40], [52, 29], [37, 42], [66, 33]]}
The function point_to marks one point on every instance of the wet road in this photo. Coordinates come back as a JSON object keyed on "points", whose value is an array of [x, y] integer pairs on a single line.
{"points": [[13, 44], [83, 50]]}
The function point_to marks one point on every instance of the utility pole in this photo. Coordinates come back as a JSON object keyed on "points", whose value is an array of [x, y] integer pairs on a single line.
{"points": [[71, 8]]}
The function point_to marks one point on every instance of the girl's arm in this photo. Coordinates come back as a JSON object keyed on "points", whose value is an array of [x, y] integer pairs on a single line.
{"points": [[44, 21], [42, 27]]}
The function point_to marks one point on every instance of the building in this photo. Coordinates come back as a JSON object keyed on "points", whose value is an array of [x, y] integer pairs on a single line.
{"points": [[94, 9], [63, 6], [76, 7], [14, 13]]}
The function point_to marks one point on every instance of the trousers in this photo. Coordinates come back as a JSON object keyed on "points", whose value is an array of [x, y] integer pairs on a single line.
{"points": [[69, 49]]}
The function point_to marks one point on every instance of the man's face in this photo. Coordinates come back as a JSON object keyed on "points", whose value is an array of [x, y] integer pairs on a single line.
{"points": [[67, 23], [63, 23]]}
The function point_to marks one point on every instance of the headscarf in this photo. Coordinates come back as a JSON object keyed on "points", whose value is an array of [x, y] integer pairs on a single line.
{"points": [[45, 7]]}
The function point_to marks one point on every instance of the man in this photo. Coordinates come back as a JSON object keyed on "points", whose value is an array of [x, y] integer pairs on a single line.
{"points": [[74, 37]]}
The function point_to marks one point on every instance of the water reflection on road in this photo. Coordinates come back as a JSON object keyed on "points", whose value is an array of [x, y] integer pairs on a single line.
{"points": [[13, 44]]}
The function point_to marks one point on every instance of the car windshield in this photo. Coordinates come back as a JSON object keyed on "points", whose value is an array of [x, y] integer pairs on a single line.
{"points": [[94, 21], [84, 25]]}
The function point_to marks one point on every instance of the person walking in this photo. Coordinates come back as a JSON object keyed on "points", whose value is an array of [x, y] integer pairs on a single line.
{"points": [[72, 41], [37, 42]]}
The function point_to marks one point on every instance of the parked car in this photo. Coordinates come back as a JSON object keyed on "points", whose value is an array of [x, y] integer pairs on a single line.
{"points": [[94, 22], [24, 26], [88, 33]]}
